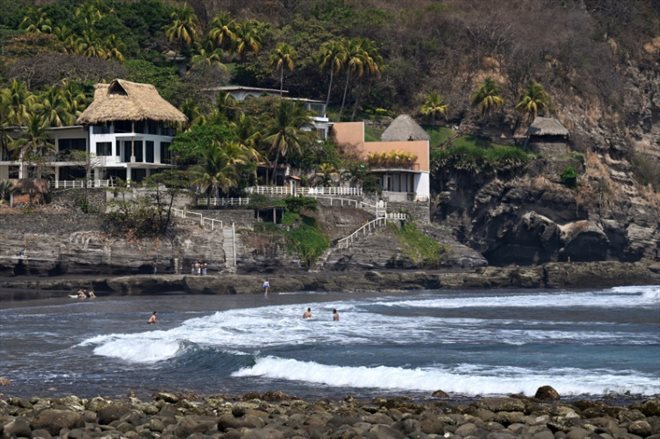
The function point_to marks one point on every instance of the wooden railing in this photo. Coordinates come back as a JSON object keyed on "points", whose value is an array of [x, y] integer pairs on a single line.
{"points": [[223, 202], [203, 220], [79, 184], [304, 191], [368, 227]]}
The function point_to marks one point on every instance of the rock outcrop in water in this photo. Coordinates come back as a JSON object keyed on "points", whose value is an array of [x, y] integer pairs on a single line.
{"points": [[277, 415]]}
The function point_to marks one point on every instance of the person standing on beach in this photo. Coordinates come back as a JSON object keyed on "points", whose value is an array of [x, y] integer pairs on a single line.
{"points": [[152, 319], [335, 315], [266, 287], [307, 314]]}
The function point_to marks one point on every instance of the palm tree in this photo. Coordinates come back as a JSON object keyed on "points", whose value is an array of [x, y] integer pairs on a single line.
{"points": [[33, 145], [248, 37], [207, 58], [285, 134], [89, 14], [222, 32], [113, 47], [487, 97], [75, 100], [533, 100], [36, 21], [434, 105], [54, 107], [20, 102], [332, 57], [283, 56], [361, 58], [219, 167], [184, 28]]}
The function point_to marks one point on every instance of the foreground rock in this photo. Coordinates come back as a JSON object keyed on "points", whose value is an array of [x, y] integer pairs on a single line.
{"points": [[276, 415]]}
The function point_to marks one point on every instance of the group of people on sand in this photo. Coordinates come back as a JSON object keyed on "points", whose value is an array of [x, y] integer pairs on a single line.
{"points": [[84, 293], [308, 314], [200, 268]]}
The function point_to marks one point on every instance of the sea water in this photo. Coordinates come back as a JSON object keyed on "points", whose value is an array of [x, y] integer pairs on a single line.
{"points": [[466, 343]]}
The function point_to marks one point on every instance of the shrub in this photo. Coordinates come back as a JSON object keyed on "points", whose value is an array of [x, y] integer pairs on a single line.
{"points": [[569, 177], [419, 247], [307, 241]]}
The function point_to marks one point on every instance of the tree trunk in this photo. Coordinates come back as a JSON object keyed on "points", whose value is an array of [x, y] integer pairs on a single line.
{"points": [[358, 93], [282, 80], [327, 99], [343, 99], [274, 176]]}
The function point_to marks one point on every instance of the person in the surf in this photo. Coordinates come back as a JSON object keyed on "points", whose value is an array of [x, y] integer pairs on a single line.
{"points": [[266, 287], [335, 315], [152, 319], [307, 314]]}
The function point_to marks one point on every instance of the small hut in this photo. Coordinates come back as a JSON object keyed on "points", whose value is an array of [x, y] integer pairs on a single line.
{"points": [[548, 136], [404, 127]]}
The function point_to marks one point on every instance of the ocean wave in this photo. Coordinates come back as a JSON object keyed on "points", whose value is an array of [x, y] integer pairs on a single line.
{"points": [[469, 380]]}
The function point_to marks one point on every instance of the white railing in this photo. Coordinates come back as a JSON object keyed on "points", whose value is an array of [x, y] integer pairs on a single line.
{"points": [[79, 184], [305, 191], [203, 220], [368, 227], [379, 209], [224, 202]]}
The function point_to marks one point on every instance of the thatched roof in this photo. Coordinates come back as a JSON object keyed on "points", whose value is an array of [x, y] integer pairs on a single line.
{"points": [[125, 100], [404, 128], [546, 126]]}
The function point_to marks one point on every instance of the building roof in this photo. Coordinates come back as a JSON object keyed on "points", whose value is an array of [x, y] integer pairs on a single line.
{"points": [[546, 126], [404, 127], [231, 88], [125, 100]]}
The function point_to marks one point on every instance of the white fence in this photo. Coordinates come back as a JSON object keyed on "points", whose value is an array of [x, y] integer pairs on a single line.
{"points": [[224, 202], [368, 227], [377, 209], [203, 221], [304, 191], [79, 184]]}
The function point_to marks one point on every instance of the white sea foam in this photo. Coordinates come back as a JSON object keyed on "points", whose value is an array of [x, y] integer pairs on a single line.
{"points": [[251, 329], [621, 297], [463, 379]]}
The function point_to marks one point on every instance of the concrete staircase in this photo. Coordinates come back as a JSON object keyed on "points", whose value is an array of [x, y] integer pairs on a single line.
{"points": [[230, 247]]}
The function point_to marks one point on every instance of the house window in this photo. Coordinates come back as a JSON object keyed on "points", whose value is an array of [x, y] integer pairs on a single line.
{"points": [[165, 155], [168, 131], [103, 148], [123, 126], [139, 127], [101, 129], [152, 127], [139, 153], [118, 148], [150, 151]]}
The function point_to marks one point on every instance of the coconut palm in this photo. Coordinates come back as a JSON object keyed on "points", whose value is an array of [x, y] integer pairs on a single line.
{"points": [[284, 56], [434, 105], [183, 29], [19, 101], [33, 145], [75, 100], [248, 37], [222, 32], [332, 57], [204, 57], [89, 14], [218, 168], [113, 48], [36, 21], [53, 107], [284, 134], [533, 100], [362, 58], [488, 97]]}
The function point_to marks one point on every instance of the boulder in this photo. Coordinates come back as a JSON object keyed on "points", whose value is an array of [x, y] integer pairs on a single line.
{"points": [[440, 394], [502, 404], [651, 407], [640, 428], [112, 412], [55, 420], [547, 393], [17, 428]]}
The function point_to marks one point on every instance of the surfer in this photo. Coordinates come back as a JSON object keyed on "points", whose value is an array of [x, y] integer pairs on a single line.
{"points": [[335, 315], [307, 314], [152, 319]]}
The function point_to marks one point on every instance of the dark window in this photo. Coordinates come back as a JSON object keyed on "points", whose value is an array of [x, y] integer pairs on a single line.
{"points": [[165, 156], [150, 151], [139, 127], [152, 127], [123, 126], [65, 148], [168, 131], [101, 129], [139, 154], [118, 150], [103, 148]]}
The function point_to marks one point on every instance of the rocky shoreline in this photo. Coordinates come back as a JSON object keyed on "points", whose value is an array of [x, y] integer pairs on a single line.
{"points": [[277, 415], [550, 275]]}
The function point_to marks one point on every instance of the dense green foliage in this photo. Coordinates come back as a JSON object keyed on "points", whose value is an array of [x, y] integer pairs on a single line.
{"points": [[306, 240], [419, 247], [569, 177]]}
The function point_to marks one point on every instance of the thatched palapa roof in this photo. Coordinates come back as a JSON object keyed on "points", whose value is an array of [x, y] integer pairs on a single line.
{"points": [[404, 128], [546, 126], [125, 100]]}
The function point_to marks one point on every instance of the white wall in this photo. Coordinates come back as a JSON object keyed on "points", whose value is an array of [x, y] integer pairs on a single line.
{"points": [[422, 186]]}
